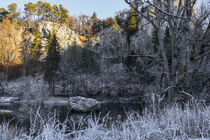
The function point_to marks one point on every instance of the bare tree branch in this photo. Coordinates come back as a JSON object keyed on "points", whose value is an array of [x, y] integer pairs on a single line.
{"points": [[165, 12], [186, 94], [202, 56]]}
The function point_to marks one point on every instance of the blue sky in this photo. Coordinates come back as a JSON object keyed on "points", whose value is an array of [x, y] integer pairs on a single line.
{"points": [[103, 8]]}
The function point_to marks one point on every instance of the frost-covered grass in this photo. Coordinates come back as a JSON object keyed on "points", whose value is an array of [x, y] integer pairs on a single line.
{"points": [[170, 123]]}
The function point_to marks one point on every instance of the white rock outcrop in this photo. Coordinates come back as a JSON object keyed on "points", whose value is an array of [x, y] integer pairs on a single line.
{"points": [[65, 36]]}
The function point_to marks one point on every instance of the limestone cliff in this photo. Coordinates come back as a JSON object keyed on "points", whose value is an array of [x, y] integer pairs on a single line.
{"points": [[65, 36]]}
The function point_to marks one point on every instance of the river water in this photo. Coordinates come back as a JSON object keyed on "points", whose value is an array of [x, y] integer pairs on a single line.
{"points": [[22, 114]]}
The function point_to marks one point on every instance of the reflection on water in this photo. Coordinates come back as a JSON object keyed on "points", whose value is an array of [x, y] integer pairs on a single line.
{"points": [[22, 113]]}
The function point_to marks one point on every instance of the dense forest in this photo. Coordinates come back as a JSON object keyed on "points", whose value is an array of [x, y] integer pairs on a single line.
{"points": [[155, 53]]}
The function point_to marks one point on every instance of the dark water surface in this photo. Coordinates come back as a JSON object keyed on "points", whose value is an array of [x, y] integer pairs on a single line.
{"points": [[22, 114]]}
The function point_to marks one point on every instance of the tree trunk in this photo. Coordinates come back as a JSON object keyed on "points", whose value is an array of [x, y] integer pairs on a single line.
{"points": [[7, 71], [163, 55]]}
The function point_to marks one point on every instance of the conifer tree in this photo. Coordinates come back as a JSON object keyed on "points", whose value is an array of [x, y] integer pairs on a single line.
{"points": [[115, 26], [3, 14], [63, 14], [132, 26], [56, 13], [35, 50], [13, 14], [131, 29], [30, 10], [94, 23], [39, 11], [47, 11], [52, 61], [94, 18]]}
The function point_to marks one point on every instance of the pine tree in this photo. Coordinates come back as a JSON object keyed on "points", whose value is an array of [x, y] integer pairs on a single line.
{"points": [[52, 61], [13, 14], [115, 26], [56, 13], [63, 14], [132, 25], [35, 50], [95, 23], [39, 11], [94, 18], [132, 28], [47, 11], [30, 10], [3, 14]]}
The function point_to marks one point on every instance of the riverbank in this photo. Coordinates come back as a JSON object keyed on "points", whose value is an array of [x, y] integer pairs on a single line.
{"points": [[169, 123]]}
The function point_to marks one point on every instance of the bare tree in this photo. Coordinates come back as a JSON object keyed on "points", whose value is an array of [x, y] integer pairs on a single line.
{"points": [[188, 31]]}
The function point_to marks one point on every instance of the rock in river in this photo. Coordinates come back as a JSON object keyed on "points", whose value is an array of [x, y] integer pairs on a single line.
{"points": [[77, 103], [82, 104]]}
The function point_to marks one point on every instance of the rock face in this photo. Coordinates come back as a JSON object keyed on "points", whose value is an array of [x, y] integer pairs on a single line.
{"points": [[82, 104], [65, 36]]}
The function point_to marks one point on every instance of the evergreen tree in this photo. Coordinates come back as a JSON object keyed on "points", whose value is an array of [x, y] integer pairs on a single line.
{"points": [[63, 14], [35, 50], [13, 14], [132, 25], [115, 26], [131, 29], [30, 10], [3, 14], [39, 11], [52, 61], [94, 23], [94, 18], [47, 11], [34, 53], [56, 13]]}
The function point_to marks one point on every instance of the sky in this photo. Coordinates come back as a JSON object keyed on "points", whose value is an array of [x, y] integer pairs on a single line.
{"points": [[103, 8]]}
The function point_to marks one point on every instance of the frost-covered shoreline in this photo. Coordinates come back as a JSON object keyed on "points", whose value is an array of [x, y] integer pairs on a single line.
{"points": [[170, 123]]}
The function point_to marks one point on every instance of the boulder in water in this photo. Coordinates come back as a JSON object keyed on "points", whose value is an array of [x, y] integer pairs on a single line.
{"points": [[82, 104]]}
